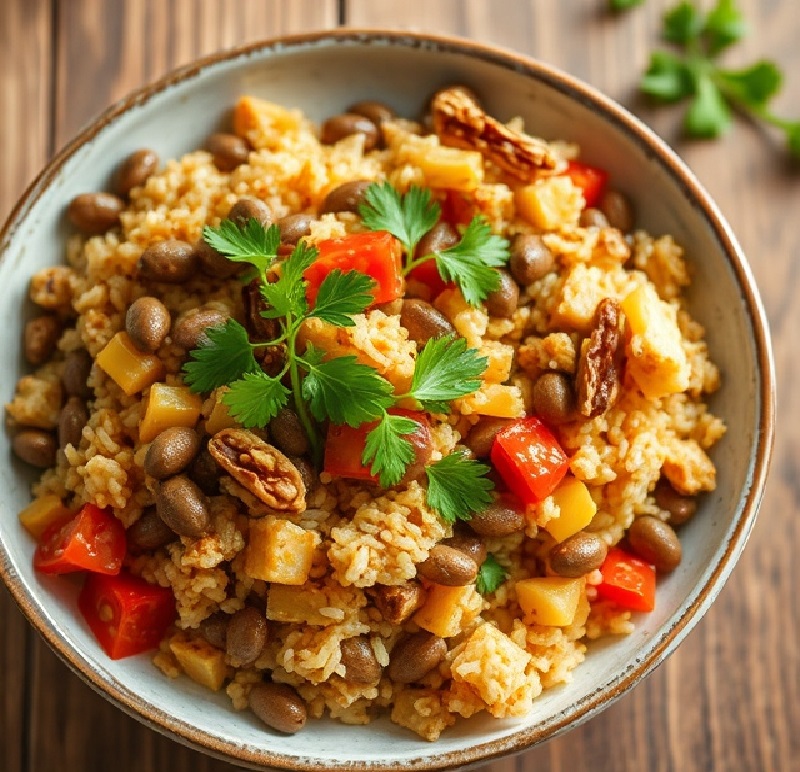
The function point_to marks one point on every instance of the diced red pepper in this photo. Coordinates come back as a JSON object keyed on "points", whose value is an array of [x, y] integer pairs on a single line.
{"points": [[377, 254], [457, 209], [529, 459], [590, 179], [428, 274], [344, 446], [92, 540], [627, 581], [126, 614]]}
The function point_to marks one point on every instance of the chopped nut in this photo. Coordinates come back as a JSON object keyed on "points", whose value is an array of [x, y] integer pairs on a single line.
{"points": [[261, 468], [51, 287], [599, 367], [397, 603], [459, 121]]}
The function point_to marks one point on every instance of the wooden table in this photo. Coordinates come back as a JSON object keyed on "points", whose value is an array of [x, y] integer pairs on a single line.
{"points": [[729, 698]]}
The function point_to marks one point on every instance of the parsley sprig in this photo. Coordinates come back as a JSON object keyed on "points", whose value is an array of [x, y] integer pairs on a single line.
{"points": [[471, 263], [692, 72], [490, 575]]}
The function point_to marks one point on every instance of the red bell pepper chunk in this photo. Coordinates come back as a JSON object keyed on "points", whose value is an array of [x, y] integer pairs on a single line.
{"points": [[627, 581], [428, 274], [92, 540], [377, 254], [529, 459], [591, 180], [457, 209], [125, 613], [344, 445]]}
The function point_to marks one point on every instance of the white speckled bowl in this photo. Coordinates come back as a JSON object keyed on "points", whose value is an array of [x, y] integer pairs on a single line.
{"points": [[321, 74]]}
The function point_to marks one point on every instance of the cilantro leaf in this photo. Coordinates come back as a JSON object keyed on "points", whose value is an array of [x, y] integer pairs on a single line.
{"points": [[793, 139], [667, 78], [708, 116], [754, 85], [490, 575], [255, 399], [252, 243], [224, 355], [287, 295], [724, 26], [344, 390], [623, 5], [446, 369], [341, 295], [457, 487], [387, 450], [682, 24], [408, 217], [471, 263]]}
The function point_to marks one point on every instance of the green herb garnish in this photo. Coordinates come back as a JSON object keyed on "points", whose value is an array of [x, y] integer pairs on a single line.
{"points": [[623, 5], [458, 486], [490, 575]]}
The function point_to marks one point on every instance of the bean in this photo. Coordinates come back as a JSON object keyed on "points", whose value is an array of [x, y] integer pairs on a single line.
{"points": [[190, 328], [213, 263], [618, 210], [438, 238], [481, 437], [35, 447], [147, 323], [307, 472], [204, 472], [246, 636], [448, 566], [377, 112], [248, 208], [215, 629], [531, 259], [294, 227], [415, 656], [346, 197], [149, 533], [171, 452], [359, 660], [288, 434], [279, 706], [345, 125], [40, 338], [95, 213], [183, 507], [228, 150], [656, 542], [423, 321], [554, 398], [74, 376], [135, 169], [503, 301], [592, 218], [74, 416], [578, 555], [170, 261], [681, 508], [422, 446], [469, 544], [498, 519]]}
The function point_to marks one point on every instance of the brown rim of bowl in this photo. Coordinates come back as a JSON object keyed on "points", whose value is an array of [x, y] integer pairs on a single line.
{"points": [[600, 698]]}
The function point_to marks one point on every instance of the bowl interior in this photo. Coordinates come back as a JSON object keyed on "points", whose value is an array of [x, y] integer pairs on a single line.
{"points": [[321, 76]]}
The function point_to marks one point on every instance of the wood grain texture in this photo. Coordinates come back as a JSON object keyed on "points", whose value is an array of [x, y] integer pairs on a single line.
{"points": [[729, 698]]}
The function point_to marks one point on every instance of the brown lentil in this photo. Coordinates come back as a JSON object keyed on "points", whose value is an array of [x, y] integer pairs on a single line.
{"points": [[359, 660], [503, 301], [248, 208], [656, 542], [578, 555], [171, 261], [183, 507], [346, 125], [135, 169], [35, 447], [448, 566], [531, 259], [346, 197], [246, 636], [189, 328], [423, 321], [554, 398], [415, 656], [171, 452], [294, 227], [498, 519], [147, 323], [228, 150], [279, 706], [95, 213]]}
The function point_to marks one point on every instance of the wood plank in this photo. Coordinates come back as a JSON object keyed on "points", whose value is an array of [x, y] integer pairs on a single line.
{"points": [[25, 90]]}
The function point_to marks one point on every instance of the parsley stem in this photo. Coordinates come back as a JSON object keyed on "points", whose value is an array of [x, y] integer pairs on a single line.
{"points": [[411, 263], [299, 403]]}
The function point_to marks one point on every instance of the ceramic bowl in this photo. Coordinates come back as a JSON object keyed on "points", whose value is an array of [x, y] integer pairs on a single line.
{"points": [[322, 73]]}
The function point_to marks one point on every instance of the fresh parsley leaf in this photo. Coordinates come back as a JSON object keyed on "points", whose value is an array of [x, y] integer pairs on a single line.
{"points": [[667, 78], [445, 370], [344, 390], [623, 5], [708, 116], [472, 262], [793, 139], [682, 24], [387, 449], [341, 295], [408, 217], [754, 85], [255, 399], [724, 26], [490, 575], [252, 243], [287, 295], [224, 355], [457, 487]]}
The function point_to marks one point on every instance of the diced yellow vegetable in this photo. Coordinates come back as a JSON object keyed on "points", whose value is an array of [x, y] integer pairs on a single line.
{"points": [[502, 401], [655, 357], [280, 551], [443, 167], [168, 406], [549, 600], [264, 123], [41, 513], [128, 367], [501, 357], [448, 610], [297, 604], [219, 418], [200, 661], [550, 203], [576, 505]]}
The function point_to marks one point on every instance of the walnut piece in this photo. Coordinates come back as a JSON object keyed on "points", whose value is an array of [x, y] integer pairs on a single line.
{"points": [[398, 602], [459, 121], [599, 367], [260, 468]]}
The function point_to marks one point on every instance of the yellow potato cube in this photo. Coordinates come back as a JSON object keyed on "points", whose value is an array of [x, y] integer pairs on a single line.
{"points": [[280, 551], [501, 357], [448, 610], [41, 513], [494, 399], [128, 367], [297, 604], [200, 661], [264, 123], [219, 418], [550, 203], [577, 508], [443, 167], [549, 600], [168, 406]]}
